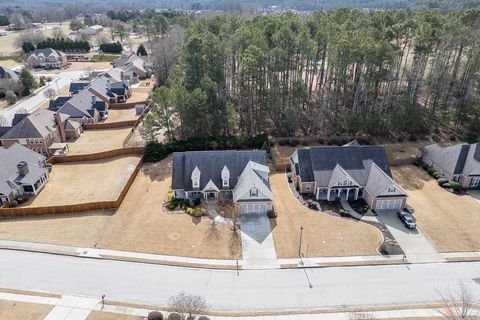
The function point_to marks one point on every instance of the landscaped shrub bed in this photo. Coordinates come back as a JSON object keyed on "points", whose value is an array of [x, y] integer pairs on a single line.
{"points": [[192, 209], [155, 151]]}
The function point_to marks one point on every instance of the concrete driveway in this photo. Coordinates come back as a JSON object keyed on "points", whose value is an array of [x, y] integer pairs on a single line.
{"points": [[258, 249], [475, 194], [416, 246]]}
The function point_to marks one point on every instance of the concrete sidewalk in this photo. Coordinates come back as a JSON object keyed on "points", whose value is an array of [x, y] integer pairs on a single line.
{"points": [[70, 307]]}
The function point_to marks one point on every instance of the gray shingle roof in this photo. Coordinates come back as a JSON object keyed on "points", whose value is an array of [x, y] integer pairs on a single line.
{"points": [[9, 158], [6, 73], [38, 124], [56, 104], [210, 164], [457, 159], [78, 86], [81, 105], [47, 52]]}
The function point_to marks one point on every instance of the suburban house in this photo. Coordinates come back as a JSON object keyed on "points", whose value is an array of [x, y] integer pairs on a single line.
{"points": [[46, 58], [348, 172], [134, 67], [83, 108], [77, 86], [109, 91], [460, 162], [240, 176], [42, 131], [93, 30], [7, 74], [22, 173]]}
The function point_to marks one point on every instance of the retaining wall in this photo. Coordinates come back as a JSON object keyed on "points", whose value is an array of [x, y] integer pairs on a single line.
{"points": [[109, 125], [96, 156]]}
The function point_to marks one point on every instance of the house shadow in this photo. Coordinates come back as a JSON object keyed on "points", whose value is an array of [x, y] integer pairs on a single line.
{"points": [[158, 171], [389, 218]]}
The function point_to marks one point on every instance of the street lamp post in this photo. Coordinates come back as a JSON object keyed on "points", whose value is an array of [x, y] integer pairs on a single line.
{"points": [[300, 244]]}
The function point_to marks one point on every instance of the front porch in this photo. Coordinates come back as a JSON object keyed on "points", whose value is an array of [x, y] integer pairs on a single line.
{"points": [[341, 193]]}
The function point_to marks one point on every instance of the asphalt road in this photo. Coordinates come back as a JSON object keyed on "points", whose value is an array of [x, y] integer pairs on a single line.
{"points": [[225, 290], [32, 102]]}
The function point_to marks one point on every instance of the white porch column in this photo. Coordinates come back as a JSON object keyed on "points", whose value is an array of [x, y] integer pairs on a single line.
{"points": [[348, 191], [356, 193], [318, 191], [338, 192], [328, 195]]}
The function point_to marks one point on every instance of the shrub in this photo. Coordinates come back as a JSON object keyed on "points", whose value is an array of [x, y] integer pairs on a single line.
{"points": [[425, 166], [305, 142], [271, 214], [199, 212], [113, 47], [413, 138], [456, 186], [174, 316], [447, 185], [13, 203], [171, 205], [203, 318], [2, 94], [197, 201], [436, 174], [453, 137], [430, 170], [155, 315], [282, 142], [442, 181], [65, 44], [10, 97], [293, 142]]}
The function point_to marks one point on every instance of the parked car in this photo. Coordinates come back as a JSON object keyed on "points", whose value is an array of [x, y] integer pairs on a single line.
{"points": [[407, 219]]}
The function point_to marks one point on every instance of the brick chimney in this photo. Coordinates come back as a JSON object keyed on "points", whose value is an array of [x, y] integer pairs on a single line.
{"points": [[22, 168], [61, 127]]}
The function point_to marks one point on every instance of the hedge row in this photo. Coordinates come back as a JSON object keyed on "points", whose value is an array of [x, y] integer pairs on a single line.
{"points": [[155, 151], [113, 47], [65, 44]]}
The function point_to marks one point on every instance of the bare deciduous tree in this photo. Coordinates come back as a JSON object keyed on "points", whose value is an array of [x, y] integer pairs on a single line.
{"points": [[3, 121], [188, 306], [28, 36], [57, 32], [50, 93], [165, 51], [458, 304]]}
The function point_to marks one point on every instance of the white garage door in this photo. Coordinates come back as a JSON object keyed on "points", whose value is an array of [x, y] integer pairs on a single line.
{"points": [[254, 208], [388, 204]]}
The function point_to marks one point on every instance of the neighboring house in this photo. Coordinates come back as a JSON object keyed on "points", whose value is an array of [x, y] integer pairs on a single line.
{"points": [[42, 131], [240, 176], [47, 58], [22, 173], [348, 172], [93, 30], [460, 163], [83, 107], [109, 91], [7, 74], [134, 67], [76, 87]]}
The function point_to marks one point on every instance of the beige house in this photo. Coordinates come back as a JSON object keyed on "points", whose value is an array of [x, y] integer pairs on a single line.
{"points": [[47, 58], [460, 163], [42, 131], [348, 172]]}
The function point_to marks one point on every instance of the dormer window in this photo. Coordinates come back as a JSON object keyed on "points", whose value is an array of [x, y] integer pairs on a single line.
{"points": [[392, 189], [253, 193], [196, 183], [225, 182], [225, 177]]}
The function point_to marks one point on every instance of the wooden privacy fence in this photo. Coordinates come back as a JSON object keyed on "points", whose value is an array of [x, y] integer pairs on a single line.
{"points": [[109, 125], [126, 105], [96, 156], [72, 208]]}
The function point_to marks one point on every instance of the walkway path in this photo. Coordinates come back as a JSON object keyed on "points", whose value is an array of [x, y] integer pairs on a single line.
{"points": [[258, 249]]}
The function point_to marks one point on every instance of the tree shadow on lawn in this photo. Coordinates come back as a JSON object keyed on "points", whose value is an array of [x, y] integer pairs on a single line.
{"points": [[158, 171], [411, 177]]}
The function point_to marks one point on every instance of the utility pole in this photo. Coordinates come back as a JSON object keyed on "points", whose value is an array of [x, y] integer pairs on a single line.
{"points": [[300, 244]]}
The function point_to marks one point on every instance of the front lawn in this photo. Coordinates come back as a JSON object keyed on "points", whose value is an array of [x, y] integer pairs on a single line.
{"points": [[104, 58]]}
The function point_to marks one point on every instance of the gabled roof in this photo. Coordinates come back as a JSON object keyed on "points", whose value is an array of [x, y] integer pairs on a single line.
{"points": [[47, 52], [10, 158], [81, 105], [254, 176], [78, 86], [457, 159], [379, 182], [56, 104], [338, 174], [6, 73], [210, 165], [38, 124]]}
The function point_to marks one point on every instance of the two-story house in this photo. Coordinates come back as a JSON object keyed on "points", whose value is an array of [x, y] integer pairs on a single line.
{"points": [[46, 58]]}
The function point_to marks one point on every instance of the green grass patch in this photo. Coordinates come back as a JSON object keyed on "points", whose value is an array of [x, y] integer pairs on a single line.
{"points": [[17, 58], [103, 58]]}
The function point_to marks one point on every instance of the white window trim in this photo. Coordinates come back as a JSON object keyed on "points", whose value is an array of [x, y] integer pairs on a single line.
{"points": [[254, 192]]}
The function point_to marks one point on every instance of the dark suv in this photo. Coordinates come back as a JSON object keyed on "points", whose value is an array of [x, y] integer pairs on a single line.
{"points": [[407, 219]]}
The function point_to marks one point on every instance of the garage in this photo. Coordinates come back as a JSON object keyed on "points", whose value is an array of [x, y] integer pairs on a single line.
{"points": [[388, 204], [254, 208]]}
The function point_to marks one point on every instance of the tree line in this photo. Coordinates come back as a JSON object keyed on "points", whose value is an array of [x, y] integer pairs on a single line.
{"points": [[344, 71], [62, 44]]}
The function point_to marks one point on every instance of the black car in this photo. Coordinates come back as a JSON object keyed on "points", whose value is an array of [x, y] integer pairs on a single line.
{"points": [[407, 219]]}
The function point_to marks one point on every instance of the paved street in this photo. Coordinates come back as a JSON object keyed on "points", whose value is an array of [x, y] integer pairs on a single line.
{"points": [[29, 104], [225, 290]]}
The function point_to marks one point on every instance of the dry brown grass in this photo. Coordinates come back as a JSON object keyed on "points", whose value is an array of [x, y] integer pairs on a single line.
{"points": [[139, 94], [325, 235], [3, 104], [92, 141], [451, 222], [121, 115], [12, 310], [98, 315], [9, 63], [89, 181], [143, 224]]}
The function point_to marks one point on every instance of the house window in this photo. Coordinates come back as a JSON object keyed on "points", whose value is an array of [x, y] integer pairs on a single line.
{"points": [[308, 187], [196, 183], [225, 182], [456, 178], [253, 193], [391, 189]]}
